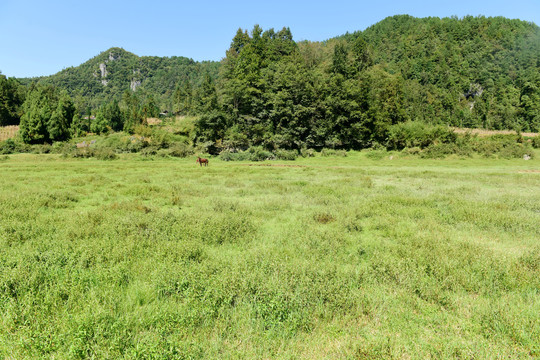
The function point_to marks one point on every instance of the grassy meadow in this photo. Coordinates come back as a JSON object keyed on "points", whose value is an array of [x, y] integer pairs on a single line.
{"points": [[357, 257]]}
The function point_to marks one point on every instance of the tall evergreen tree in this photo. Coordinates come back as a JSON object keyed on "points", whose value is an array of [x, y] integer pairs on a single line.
{"points": [[113, 115], [59, 124], [11, 99], [38, 108], [183, 98]]}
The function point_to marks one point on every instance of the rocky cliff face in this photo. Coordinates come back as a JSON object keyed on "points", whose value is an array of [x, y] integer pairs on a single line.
{"points": [[103, 69], [134, 84]]}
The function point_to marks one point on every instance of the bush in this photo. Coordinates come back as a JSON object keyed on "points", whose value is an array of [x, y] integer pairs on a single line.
{"points": [[436, 151], [142, 130], [162, 139], [11, 146], [149, 151], [78, 153], [286, 154], [62, 147], [307, 152], [332, 152], [7, 147], [376, 154], [412, 151], [87, 152], [515, 151], [417, 134], [180, 150], [535, 142], [257, 153], [227, 155], [254, 153], [504, 146], [105, 154]]}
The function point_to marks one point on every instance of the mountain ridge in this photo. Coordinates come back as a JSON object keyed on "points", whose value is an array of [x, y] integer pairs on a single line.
{"points": [[472, 68], [107, 75]]}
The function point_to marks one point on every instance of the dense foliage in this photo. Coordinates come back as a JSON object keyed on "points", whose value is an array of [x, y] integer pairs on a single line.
{"points": [[105, 77], [347, 93], [48, 115], [11, 99]]}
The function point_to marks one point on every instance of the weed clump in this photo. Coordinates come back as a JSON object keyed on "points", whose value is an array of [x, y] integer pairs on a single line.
{"points": [[286, 154], [324, 218], [254, 153], [332, 152]]}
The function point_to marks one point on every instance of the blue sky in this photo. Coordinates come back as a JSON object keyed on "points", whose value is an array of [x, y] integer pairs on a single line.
{"points": [[43, 37]]}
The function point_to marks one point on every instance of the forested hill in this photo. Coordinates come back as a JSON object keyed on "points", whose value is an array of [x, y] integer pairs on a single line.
{"points": [[346, 92], [349, 91], [106, 76], [490, 65]]}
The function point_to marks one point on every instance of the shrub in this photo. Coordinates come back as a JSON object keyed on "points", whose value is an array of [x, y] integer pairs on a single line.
{"points": [[307, 152], [227, 155], [62, 147], [286, 154], [332, 152], [78, 153], [162, 139], [535, 142], [516, 150], [137, 145], [88, 152], [180, 150], [142, 130], [504, 146], [412, 151], [257, 153], [149, 151], [105, 154], [41, 149], [417, 134], [435, 151], [7, 147], [376, 154], [11, 146]]}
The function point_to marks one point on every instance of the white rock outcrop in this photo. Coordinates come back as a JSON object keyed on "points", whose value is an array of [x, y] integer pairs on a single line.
{"points": [[103, 69], [134, 84]]}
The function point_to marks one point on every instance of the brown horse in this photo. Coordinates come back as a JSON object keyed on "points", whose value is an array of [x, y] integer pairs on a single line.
{"points": [[202, 161]]}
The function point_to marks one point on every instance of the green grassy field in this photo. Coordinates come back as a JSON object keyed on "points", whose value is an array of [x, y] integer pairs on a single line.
{"points": [[324, 258]]}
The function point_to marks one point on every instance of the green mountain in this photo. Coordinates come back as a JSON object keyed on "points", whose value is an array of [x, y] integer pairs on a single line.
{"points": [[473, 69], [106, 76], [347, 91]]}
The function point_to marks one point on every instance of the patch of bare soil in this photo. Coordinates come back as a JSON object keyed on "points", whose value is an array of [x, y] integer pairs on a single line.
{"points": [[529, 171]]}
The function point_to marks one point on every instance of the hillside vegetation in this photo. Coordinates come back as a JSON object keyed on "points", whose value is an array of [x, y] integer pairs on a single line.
{"points": [[105, 77], [269, 91]]}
